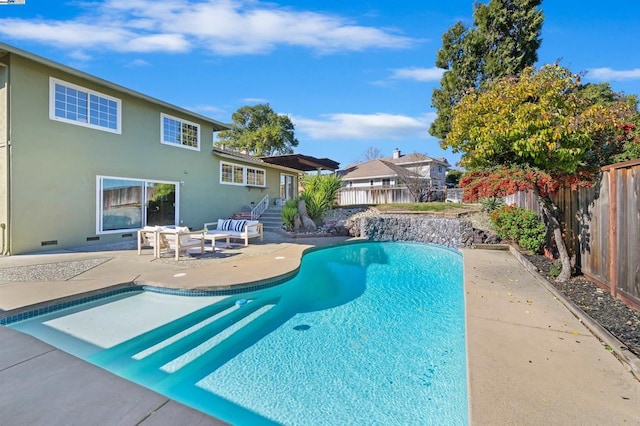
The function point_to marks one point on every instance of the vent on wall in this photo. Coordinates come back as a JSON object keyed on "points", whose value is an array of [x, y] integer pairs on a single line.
{"points": [[127, 235], [49, 243], [93, 238]]}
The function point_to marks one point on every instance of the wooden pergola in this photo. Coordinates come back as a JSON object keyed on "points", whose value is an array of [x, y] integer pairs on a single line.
{"points": [[304, 163]]}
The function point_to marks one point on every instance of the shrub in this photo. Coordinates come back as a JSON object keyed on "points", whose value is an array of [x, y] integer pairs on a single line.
{"points": [[555, 269], [289, 211], [520, 225], [319, 193], [490, 204]]}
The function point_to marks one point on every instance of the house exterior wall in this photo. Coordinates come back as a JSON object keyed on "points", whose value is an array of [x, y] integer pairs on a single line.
{"points": [[228, 199], [438, 173], [366, 183], [4, 149], [54, 165]]}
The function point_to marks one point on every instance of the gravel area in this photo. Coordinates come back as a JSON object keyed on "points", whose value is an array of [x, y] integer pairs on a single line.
{"points": [[611, 313], [59, 271]]}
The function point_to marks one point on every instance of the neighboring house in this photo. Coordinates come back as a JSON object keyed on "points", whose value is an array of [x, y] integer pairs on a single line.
{"points": [[86, 161], [391, 180]]}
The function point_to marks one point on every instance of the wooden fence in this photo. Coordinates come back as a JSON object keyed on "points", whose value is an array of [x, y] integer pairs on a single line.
{"points": [[602, 228]]}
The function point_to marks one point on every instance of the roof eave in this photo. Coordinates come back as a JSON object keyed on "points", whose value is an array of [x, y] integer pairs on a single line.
{"points": [[217, 125], [253, 160]]}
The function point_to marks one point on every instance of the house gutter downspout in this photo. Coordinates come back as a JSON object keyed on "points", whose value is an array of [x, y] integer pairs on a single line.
{"points": [[5, 229]]}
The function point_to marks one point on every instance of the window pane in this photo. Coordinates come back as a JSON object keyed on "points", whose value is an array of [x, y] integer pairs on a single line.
{"points": [[251, 176], [171, 131], [238, 174], [260, 177], [189, 135], [227, 173], [161, 204], [121, 204], [83, 106]]}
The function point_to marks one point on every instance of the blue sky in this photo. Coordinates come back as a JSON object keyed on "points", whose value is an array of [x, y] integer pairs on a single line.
{"points": [[352, 75]]}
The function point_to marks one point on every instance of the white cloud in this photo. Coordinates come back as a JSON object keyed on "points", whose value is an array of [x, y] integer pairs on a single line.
{"points": [[211, 109], [255, 101], [224, 27], [79, 55], [364, 126], [138, 63], [604, 74], [417, 74]]}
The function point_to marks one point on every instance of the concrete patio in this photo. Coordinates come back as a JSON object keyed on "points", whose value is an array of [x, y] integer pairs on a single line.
{"points": [[531, 360]]}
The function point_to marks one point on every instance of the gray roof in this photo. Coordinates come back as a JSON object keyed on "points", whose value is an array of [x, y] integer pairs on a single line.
{"points": [[388, 167], [377, 168], [5, 48], [235, 155], [416, 157]]}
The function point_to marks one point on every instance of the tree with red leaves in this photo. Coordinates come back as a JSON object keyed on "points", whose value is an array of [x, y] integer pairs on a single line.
{"points": [[536, 132]]}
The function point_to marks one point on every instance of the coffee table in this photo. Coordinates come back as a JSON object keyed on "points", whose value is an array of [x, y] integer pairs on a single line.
{"points": [[214, 237]]}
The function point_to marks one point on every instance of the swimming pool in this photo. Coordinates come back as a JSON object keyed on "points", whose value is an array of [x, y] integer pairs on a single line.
{"points": [[365, 333]]}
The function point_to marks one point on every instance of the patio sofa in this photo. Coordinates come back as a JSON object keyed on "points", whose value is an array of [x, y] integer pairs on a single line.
{"points": [[235, 228]]}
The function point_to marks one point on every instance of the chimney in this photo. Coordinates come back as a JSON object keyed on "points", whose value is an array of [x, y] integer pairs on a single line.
{"points": [[396, 154]]}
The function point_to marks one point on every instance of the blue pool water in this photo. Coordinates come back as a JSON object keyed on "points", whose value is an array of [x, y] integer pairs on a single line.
{"points": [[366, 333]]}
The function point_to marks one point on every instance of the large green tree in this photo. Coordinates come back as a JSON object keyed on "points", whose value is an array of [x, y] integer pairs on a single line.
{"points": [[536, 132], [503, 41], [259, 131], [603, 94]]}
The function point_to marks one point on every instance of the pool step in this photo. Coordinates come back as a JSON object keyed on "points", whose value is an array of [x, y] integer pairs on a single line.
{"points": [[151, 362], [153, 337], [234, 341]]}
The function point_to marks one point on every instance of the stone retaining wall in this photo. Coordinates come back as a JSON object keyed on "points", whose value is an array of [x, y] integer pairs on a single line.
{"points": [[454, 233]]}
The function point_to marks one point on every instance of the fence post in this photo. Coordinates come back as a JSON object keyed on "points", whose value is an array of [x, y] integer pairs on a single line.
{"points": [[613, 231]]}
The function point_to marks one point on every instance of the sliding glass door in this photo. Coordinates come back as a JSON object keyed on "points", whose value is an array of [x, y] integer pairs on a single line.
{"points": [[287, 188], [125, 204]]}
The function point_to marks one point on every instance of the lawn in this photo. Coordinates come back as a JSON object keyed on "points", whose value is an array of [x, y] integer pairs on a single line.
{"points": [[425, 207]]}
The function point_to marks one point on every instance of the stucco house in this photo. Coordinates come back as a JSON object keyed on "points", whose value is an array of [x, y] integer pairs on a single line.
{"points": [[385, 180], [86, 161]]}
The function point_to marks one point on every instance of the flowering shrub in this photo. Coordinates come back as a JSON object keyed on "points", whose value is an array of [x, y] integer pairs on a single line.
{"points": [[519, 225]]}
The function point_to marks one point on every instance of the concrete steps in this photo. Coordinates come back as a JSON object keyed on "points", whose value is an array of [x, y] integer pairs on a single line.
{"points": [[272, 218]]}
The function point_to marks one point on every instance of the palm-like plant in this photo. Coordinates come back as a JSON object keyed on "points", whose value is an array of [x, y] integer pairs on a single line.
{"points": [[319, 193]]}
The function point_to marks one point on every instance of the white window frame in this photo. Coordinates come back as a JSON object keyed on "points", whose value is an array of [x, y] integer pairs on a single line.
{"points": [[99, 200], [52, 106], [182, 122], [245, 174]]}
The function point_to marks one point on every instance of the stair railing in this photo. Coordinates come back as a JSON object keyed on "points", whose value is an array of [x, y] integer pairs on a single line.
{"points": [[260, 208]]}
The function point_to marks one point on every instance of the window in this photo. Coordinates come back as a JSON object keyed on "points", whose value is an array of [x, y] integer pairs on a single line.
{"points": [[232, 174], [176, 131], [125, 204], [76, 105], [235, 174], [255, 177]]}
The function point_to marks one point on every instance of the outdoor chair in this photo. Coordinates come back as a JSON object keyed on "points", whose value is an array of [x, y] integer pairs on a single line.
{"points": [[148, 237], [181, 239]]}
